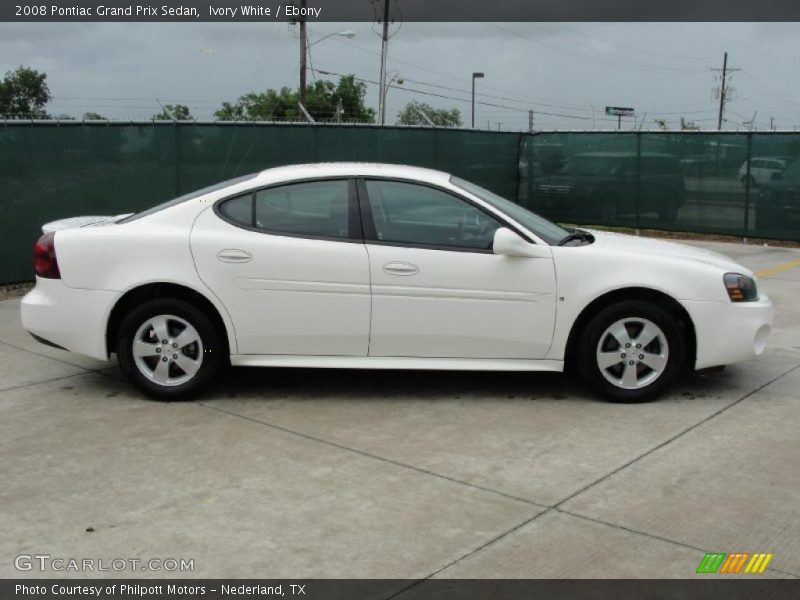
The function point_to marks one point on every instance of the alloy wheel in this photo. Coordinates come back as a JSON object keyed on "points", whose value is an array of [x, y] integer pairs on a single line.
{"points": [[632, 353], [167, 350]]}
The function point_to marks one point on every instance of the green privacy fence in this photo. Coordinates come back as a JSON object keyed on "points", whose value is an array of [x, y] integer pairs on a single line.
{"points": [[687, 181], [744, 184]]}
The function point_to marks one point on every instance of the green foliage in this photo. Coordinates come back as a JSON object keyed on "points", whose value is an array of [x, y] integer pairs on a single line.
{"points": [[441, 117], [322, 100], [93, 116], [173, 112], [23, 94], [688, 125]]}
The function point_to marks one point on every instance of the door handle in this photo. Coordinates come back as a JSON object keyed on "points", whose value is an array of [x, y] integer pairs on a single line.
{"points": [[232, 255], [400, 268]]}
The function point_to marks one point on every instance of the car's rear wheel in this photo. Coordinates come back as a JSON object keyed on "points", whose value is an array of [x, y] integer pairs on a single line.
{"points": [[169, 348], [631, 351]]}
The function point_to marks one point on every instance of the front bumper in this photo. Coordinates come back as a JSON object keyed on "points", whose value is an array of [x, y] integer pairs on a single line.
{"points": [[730, 332], [74, 319]]}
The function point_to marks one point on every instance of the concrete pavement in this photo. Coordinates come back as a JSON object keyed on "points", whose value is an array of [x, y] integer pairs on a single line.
{"points": [[315, 473]]}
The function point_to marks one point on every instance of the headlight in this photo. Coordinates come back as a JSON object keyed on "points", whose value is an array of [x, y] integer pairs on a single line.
{"points": [[740, 288]]}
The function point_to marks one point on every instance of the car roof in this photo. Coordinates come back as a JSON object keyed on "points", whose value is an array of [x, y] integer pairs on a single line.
{"points": [[623, 154], [351, 169]]}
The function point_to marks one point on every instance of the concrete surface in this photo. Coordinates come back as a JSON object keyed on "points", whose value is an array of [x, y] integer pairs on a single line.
{"points": [[313, 473]]}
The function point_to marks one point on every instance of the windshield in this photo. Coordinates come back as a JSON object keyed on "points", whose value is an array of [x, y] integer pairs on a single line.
{"points": [[549, 232], [186, 197], [592, 165]]}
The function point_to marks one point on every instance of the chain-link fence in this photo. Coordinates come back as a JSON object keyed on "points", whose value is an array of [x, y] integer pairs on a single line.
{"points": [[678, 181]]}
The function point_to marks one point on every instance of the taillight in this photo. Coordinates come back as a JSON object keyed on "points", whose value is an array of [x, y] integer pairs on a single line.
{"points": [[44, 257]]}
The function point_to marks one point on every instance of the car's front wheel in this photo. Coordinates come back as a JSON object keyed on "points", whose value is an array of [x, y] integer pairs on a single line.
{"points": [[169, 348], [631, 351]]}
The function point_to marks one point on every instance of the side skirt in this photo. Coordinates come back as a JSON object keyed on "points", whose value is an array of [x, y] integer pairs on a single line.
{"points": [[396, 362]]}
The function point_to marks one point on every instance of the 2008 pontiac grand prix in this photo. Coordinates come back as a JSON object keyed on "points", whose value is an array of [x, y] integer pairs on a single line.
{"points": [[383, 266]]}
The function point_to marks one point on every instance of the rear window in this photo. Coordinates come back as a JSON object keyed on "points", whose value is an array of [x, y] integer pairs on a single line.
{"points": [[189, 196]]}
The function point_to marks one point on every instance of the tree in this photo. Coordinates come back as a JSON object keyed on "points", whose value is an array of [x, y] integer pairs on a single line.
{"points": [[323, 100], [441, 117], [689, 125], [662, 124], [93, 116], [23, 94], [351, 95], [173, 112]]}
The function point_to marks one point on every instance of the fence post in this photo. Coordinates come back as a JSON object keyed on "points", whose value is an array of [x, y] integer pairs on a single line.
{"points": [[519, 171], [531, 141], [637, 184], [747, 187], [177, 142]]}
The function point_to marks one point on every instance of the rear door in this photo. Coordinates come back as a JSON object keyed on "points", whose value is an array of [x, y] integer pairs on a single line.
{"points": [[290, 266], [437, 288]]}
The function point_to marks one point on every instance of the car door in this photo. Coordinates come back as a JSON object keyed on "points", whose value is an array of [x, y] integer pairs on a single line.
{"points": [[290, 266], [437, 288]]}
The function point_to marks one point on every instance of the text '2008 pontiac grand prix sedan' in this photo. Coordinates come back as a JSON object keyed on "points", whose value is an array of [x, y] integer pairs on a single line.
{"points": [[383, 266]]}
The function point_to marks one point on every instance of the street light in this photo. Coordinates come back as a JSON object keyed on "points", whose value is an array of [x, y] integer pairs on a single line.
{"points": [[474, 77], [305, 50], [347, 34], [396, 78]]}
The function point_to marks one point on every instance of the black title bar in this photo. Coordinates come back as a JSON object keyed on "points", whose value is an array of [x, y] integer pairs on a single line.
{"points": [[712, 588], [400, 10]]}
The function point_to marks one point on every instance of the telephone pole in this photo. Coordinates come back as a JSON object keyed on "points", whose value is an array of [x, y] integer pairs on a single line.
{"points": [[384, 48], [723, 90], [530, 121], [303, 52]]}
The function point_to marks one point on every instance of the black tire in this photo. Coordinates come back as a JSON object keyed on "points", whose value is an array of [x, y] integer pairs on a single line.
{"points": [[590, 338], [211, 349]]}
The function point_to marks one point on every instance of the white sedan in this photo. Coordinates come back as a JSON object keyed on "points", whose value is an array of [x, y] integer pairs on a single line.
{"points": [[383, 267]]}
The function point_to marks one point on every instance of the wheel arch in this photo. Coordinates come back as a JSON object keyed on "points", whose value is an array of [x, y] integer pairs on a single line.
{"points": [[151, 291], [645, 294]]}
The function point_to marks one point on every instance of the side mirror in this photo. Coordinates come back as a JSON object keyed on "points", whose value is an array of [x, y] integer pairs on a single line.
{"points": [[508, 243]]}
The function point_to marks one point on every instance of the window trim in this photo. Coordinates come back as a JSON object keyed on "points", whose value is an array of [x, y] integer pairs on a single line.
{"points": [[354, 225], [371, 234]]}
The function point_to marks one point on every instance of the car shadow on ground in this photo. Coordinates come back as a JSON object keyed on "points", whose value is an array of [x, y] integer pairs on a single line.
{"points": [[299, 384], [369, 385]]}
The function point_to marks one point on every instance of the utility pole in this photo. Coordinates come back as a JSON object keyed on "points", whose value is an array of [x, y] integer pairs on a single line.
{"points": [[723, 89], [772, 123], [384, 49], [303, 52], [530, 121], [474, 77]]}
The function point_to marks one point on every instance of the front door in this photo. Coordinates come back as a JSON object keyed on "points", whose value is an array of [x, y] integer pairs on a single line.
{"points": [[437, 288]]}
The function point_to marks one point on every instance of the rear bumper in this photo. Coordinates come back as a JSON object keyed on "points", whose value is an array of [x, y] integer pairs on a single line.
{"points": [[74, 319], [730, 332]]}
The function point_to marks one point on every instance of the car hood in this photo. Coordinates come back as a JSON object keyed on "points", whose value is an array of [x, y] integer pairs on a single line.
{"points": [[76, 222], [642, 245]]}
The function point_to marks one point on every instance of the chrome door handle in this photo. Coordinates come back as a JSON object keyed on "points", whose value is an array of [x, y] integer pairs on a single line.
{"points": [[400, 268], [232, 255]]}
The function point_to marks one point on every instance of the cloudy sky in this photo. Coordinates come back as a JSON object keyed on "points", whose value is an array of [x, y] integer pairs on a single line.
{"points": [[566, 72]]}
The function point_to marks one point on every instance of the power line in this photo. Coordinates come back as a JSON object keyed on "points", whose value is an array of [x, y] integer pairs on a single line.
{"points": [[424, 93]]}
